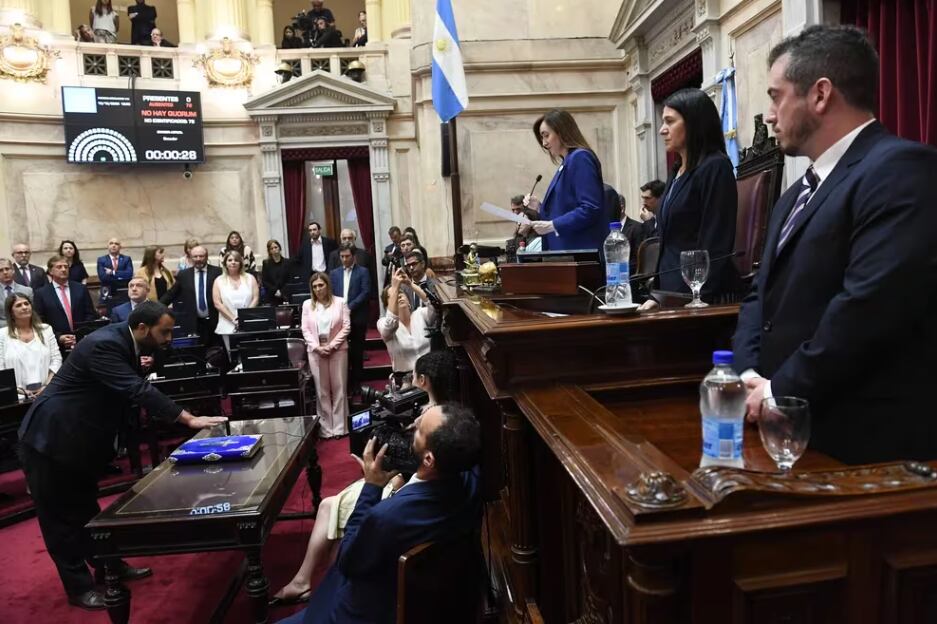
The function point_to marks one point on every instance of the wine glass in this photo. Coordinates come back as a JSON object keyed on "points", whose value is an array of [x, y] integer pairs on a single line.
{"points": [[694, 267], [784, 426]]}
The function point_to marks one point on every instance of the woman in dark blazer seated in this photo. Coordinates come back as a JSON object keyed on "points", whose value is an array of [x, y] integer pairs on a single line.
{"points": [[700, 201], [572, 211]]}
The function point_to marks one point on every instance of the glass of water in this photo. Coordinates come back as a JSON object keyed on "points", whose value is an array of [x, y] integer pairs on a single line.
{"points": [[784, 426], [694, 267]]}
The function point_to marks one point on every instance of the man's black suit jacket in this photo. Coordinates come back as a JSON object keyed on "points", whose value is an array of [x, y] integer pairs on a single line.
{"points": [[184, 299], [50, 310], [304, 259], [74, 421], [37, 277], [844, 314]]}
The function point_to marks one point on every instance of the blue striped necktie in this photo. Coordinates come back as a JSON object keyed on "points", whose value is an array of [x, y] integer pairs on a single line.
{"points": [[810, 182]]}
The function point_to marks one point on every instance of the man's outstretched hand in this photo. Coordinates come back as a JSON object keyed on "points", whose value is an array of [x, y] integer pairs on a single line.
{"points": [[372, 466]]}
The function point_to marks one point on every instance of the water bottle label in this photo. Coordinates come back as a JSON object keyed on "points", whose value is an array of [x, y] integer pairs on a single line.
{"points": [[613, 274], [722, 439], [623, 271]]}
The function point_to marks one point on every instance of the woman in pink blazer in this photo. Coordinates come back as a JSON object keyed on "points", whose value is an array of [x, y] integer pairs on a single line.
{"points": [[326, 325]]}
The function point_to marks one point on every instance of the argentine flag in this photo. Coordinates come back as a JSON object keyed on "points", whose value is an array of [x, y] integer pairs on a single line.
{"points": [[730, 114], [450, 96]]}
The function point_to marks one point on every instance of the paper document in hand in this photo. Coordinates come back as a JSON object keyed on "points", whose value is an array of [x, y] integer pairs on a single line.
{"points": [[501, 213]]}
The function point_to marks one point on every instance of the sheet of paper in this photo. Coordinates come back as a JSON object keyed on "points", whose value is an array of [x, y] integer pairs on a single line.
{"points": [[501, 213]]}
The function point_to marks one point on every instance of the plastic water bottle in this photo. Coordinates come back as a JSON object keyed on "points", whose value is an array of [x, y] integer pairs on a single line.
{"points": [[617, 274], [722, 406]]}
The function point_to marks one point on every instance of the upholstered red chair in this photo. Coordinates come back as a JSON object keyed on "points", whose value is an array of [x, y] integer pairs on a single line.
{"points": [[759, 186]]}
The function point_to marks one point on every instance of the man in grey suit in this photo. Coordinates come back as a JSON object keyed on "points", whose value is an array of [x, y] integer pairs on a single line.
{"points": [[8, 286]]}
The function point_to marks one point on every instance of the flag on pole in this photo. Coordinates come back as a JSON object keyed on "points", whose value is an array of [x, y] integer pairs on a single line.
{"points": [[730, 114], [450, 96]]}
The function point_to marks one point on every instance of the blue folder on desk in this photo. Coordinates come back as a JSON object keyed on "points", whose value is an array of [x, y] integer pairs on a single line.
{"points": [[211, 450]]}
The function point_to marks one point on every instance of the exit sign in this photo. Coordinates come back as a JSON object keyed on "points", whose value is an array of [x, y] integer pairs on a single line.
{"points": [[323, 170]]}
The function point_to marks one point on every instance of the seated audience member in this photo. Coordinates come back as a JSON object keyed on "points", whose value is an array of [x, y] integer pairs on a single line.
{"points": [[158, 277], [76, 268], [434, 373], [84, 34], [157, 40], [233, 290], [361, 32], [114, 268], [185, 261], [24, 273], [632, 229], [326, 35], [138, 291], [236, 243], [105, 23], [439, 502], [273, 273], [63, 304], [28, 346], [650, 201], [524, 232], [402, 328], [290, 41], [362, 257], [9, 287], [326, 323], [192, 296], [353, 284]]}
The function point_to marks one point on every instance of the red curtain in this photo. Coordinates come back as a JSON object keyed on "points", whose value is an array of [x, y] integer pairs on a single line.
{"points": [[685, 73], [905, 34], [359, 171], [294, 192]]}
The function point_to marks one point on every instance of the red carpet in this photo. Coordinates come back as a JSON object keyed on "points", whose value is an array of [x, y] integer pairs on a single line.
{"points": [[184, 588]]}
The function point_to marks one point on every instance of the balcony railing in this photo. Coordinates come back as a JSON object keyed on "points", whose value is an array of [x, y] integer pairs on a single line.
{"points": [[332, 60], [123, 61]]}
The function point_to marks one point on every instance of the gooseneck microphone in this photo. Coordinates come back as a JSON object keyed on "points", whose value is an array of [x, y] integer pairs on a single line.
{"points": [[536, 182], [647, 276]]}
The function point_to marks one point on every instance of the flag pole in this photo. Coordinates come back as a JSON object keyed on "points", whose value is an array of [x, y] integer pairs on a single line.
{"points": [[456, 187]]}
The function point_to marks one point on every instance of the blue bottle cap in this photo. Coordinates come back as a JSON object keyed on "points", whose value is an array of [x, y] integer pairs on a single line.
{"points": [[614, 225], [722, 357]]}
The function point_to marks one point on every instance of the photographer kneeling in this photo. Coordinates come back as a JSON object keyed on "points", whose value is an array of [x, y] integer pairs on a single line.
{"points": [[440, 502], [434, 373], [402, 328]]}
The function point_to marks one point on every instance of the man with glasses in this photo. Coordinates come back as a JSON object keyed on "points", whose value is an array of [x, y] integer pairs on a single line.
{"points": [[9, 287], [191, 296], [24, 273]]}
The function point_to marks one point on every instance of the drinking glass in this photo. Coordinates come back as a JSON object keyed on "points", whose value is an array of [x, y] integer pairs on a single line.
{"points": [[784, 426], [694, 267]]}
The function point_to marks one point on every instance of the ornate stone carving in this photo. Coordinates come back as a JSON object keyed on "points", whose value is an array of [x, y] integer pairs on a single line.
{"points": [[701, 7], [664, 44], [381, 176], [266, 131], [23, 58], [321, 130], [228, 66], [377, 126], [656, 490], [761, 142], [320, 92], [718, 482]]}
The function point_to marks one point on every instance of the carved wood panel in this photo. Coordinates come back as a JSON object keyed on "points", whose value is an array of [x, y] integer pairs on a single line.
{"points": [[911, 589], [808, 597]]}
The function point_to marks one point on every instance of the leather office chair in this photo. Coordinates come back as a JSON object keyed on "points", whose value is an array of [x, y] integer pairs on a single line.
{"points": [[642, 279], [759, 185], [440, 582]]}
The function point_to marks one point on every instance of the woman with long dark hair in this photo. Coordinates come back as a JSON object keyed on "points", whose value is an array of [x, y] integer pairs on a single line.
{"points": [[274, 272], [290, 40], [235, 242], [76, 269], [572, 211], [158, 277], [699, 204], [104, 22]]}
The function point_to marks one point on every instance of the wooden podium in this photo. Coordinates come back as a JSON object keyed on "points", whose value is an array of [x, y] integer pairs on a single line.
{"points": [[599, 514]]}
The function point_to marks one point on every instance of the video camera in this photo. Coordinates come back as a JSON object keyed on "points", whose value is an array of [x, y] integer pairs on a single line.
{"points": [[303, 21], [387, 420]]}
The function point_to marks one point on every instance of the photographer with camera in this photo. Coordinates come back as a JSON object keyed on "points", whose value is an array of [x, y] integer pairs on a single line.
{"points": [[402, 327], [434, 373], [440, 502]]}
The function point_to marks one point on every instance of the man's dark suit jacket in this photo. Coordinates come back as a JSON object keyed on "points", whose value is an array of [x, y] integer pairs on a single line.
{"points": [[184, 299], [362, 259], [844, 314], [304, 259], [700, 213], [74, 421], [49, 306], [361, 587], [37, 277], [358, 288], [124, 271], [120, 314]]}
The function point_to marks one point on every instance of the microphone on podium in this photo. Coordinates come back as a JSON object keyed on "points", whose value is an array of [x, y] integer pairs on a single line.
{"points": [[647, 276], [536, 182]]}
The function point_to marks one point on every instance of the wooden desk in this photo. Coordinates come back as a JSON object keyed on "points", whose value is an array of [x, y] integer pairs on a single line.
{"points": [[577, 412], [201, 508], [267, 394]]}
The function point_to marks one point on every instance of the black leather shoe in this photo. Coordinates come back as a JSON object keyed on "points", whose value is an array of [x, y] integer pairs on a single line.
{"points": [[90, 600], [127, 574]]}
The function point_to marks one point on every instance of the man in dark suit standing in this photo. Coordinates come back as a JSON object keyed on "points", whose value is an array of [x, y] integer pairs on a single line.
{"points": [[314, 254], [67, 437], [353, 283], [63, 304], [362, 257], [24, 273], [114, 269], [440, 502], [650, 202], [191, 295], [842, 310], [137, 289]]}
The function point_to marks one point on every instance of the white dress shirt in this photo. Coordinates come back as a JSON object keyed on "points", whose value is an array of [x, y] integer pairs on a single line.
{"points": [[318, 255], [31, 361], [406, 346]]}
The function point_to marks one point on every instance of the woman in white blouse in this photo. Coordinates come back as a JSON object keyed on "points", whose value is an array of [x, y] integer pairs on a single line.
{"points": [[326, 324], [234, 290], [28, 346], [404, 329]]}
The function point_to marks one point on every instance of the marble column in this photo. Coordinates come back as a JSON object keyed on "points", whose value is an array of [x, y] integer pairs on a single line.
{"points": [[639, 77], [25, 12], [229, 18], [266, 34], [375, 20], [396, 17], [380, 181], [272, 176], [57, 18], [185, 11]]}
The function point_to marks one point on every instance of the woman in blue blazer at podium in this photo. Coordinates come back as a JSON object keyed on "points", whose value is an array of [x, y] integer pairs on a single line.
{"points": [[572, 210]]}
